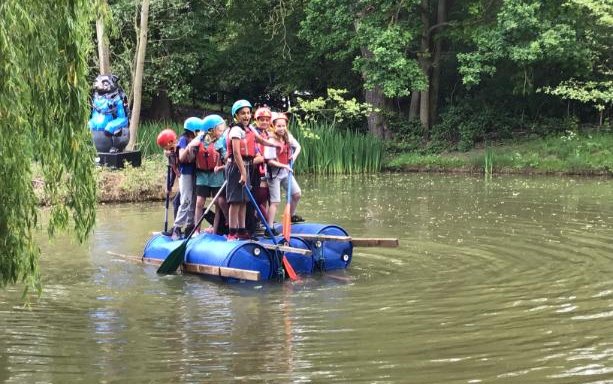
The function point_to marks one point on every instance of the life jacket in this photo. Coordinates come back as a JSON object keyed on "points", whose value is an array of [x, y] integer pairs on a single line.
{"points": [[283, 154], [247, 145], [262, 167], [207, 157]]}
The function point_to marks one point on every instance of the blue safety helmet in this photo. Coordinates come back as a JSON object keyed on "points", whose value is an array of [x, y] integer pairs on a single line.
{"points": [[193, 124], [211, 121], [240, 104]]}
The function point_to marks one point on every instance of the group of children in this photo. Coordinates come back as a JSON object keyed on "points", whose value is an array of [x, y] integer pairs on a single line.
{"points": [[220, 162]]}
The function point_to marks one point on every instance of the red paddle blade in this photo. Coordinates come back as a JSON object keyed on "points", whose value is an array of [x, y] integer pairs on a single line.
{"points": [[287, 224], [289, 269]]}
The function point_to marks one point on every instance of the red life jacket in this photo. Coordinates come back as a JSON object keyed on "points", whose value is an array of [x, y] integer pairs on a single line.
{"points": [[283, 154], [247, 145], [206, 157], [262, 167]]}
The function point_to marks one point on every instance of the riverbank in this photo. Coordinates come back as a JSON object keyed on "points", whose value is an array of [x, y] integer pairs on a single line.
{"points": [[568, 154]]}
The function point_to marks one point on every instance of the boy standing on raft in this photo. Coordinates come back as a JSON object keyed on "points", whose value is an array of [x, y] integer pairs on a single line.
{"points": [[241, 152], [185, 215], [279, 170]]}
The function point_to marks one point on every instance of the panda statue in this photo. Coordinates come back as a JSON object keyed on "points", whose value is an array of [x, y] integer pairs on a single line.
{"points": [[110, 113]]}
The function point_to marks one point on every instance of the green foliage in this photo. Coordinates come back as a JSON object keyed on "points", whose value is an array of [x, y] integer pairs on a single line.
{"points": [[467, 123], [326, 150], [599, 94], [376, 35], [44, 47], [569, 152], [334, 110]]}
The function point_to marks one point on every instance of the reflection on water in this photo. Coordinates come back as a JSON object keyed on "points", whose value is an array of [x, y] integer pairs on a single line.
{"points": [[502, 281]]}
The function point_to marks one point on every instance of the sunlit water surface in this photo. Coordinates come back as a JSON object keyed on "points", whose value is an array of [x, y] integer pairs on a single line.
{"points": [[506, 281]]}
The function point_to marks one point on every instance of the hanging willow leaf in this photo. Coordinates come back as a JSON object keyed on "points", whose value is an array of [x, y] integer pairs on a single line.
{"points": [[43, 114]]}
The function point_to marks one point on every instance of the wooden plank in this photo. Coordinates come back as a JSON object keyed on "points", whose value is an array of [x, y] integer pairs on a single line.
{"points": [[283, 248], [242, 274], [375, 242], [132, 258], [356, 241]]}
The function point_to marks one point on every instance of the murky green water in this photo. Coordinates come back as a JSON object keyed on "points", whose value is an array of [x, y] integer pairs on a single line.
{"points": [[509, 281]]}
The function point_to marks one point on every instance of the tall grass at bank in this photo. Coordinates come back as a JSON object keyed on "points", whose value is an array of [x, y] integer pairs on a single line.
{"points": [[329, 150], [325, 149], [148, 133]]}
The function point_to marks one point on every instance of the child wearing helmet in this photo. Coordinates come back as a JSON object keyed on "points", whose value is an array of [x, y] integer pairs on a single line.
{"points": [[241, 148], [209, 167], [259, 185], [185, 215], [278, 161], [167, 140]]}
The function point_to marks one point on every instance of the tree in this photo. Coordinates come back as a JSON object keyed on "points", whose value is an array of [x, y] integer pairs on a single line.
{"points": [[137, 84], [562, 48], [44, 47], [370, 34], [103, 43]]}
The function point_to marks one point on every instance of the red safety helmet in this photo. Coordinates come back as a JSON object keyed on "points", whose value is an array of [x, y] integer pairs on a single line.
{"points": [[262, 112], [166, 137]]}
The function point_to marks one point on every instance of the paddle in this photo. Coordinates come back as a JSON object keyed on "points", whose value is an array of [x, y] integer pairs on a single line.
{"points": [[286, 265], [176, 257], [168, 188], [287, 215]]}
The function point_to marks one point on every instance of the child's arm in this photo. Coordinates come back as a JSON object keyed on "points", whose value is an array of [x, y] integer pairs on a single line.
{"points": [[296, 145]]}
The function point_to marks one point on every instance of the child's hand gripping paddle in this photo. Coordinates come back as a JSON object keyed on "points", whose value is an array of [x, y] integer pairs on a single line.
{"points": [[286, 265]]}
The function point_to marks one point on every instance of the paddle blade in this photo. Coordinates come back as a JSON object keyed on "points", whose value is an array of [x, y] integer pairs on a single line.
{"points": [[289, 269], [287, 223], [173, 260]]}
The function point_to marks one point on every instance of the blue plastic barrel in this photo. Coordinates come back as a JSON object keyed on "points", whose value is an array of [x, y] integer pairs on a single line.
{"points": [[327, 255], [302, 264], [216, 251]]}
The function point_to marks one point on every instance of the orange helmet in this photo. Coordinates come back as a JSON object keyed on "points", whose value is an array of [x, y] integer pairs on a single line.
{"points": [[166, 137], [262, 112], [277, 116]]}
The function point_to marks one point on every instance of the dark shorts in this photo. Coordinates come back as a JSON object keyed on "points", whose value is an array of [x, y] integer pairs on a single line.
{"points": [[206, 191], [235, 191]]}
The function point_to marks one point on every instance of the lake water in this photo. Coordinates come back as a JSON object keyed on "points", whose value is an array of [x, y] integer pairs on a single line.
{"points": [[501, 281]]}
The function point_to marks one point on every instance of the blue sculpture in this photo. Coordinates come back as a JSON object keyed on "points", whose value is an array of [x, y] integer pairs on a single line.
{"points": [[110, 113]]}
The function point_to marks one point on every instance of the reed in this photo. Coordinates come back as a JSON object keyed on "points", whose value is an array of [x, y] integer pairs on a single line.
{"points": [[488, 166], [325, 148], [328, 150], [148, 133]]}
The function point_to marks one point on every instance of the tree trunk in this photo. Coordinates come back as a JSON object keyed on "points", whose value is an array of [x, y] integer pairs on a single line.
{"points": [[376, 122], [414, 106], [441, 18], [103, 46], [161, 107], [138, 74], [375, 97], [424, 61]]}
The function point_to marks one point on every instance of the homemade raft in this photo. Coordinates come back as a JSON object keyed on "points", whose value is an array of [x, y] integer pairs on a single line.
{"points": [[312, 247]]}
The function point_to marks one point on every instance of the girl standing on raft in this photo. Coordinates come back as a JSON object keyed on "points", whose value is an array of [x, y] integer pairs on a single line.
{"points": [[278, 160], [209, 177], [241, 152]]}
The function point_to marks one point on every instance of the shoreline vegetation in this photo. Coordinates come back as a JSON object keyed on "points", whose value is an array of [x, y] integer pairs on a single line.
{"points": [[568, 154]]}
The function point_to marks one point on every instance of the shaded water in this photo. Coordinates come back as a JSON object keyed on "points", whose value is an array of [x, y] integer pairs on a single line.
{"points": [[508, 281]]}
